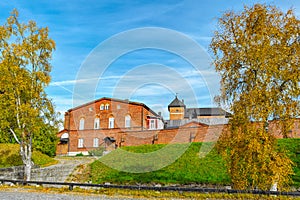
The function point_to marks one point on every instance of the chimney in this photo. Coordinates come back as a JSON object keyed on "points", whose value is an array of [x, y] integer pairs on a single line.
{"points": [[67, 121], [159, 113], [183, 101]]}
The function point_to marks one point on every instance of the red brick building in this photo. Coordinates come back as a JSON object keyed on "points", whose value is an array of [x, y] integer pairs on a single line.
{"points": [[86, 126], [114, 123]]}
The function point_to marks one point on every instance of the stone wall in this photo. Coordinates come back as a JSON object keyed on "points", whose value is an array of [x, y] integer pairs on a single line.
{"points": [[57, 173]]}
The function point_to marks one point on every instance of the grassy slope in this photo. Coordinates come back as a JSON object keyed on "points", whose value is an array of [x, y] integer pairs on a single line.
{"points": [[9, 154], [189, 168]]}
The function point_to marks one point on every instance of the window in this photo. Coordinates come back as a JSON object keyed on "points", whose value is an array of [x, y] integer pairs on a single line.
{"points": [[102, 107], [96, 142], [152, 124], [81, 124], [106, 106], [97, 123], [111, 122], [80, 143], [127, 121]]}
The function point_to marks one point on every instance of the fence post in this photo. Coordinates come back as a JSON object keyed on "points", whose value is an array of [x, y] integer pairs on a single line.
{"points": [[70, 187]]}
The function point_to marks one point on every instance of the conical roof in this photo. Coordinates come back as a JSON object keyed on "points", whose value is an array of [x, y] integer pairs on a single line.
{"points": [[176, 103]]}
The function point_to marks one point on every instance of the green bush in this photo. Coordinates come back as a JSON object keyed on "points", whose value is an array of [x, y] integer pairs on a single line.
{"points": [[45, 141], [97, 152]]}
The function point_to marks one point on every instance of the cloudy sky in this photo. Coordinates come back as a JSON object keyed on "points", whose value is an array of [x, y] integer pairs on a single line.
{"points": [[145, 51]]}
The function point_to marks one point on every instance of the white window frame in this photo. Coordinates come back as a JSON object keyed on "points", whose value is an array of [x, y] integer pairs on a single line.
{"points": [[97, 123], [127, 121], [152, 124], [107, 106], [102, 107], [96, 142], [111, 122], [81, 124], [80, 143]]}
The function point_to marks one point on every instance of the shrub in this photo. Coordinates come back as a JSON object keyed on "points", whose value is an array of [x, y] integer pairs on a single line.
{"points": [[97, 152]]}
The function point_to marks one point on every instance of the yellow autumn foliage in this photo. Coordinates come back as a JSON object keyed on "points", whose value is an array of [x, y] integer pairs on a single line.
{"points": [[256, 53]]}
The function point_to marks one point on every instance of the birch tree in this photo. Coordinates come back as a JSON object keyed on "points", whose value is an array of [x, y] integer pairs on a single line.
{"points": [[24, 73], [256, 52]]}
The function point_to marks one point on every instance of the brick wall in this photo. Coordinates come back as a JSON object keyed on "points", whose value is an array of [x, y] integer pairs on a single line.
{"points": [[184, 134], [192, 132]]}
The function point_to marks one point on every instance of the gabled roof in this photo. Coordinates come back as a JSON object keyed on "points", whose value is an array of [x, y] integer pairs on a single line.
{"points": [[176, 103], [194, 112], [115, 100]]}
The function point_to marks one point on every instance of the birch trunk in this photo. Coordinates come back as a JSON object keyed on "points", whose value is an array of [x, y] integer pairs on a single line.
{"points": [[26, 154]]}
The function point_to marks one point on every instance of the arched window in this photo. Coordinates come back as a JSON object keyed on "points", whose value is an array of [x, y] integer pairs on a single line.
{"points": [[81, 124], [102, 107], [107, 106], [97, 123], [127, 121], [111, 122]]}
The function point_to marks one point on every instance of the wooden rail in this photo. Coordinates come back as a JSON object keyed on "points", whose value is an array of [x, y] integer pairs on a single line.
{"points": [[155, 188]]}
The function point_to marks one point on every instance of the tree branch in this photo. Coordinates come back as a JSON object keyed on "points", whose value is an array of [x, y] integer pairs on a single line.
{"points": [[15, 136]]}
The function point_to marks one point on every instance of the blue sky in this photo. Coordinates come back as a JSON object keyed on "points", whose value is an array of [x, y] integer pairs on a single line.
{"points": [[79, 27]]}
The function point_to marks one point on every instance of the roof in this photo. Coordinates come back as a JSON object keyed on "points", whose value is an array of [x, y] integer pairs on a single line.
{"points": [[194, 112], [115, 100], [176, 103]]}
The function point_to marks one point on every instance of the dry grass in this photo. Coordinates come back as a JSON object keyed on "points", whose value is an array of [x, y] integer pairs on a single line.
{"points": [[102, 192]]}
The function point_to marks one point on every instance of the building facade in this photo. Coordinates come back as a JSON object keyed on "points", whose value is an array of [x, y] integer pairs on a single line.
{"points": [[86, 126]]}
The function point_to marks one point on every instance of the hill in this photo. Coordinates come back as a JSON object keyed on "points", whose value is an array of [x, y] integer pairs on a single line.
{"points": [[188, 169], [9, 154]]}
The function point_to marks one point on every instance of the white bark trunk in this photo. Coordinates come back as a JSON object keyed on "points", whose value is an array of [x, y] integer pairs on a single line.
{"points": [[274, 187], [26, 154], [27, 171]]}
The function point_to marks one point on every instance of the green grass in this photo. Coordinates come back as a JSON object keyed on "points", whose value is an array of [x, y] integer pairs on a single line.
{"points": [[292, 145], [9, 154], [187, 169]]}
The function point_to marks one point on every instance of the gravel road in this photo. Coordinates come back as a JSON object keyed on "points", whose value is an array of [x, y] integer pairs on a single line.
{"points": [[19, 194]]}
